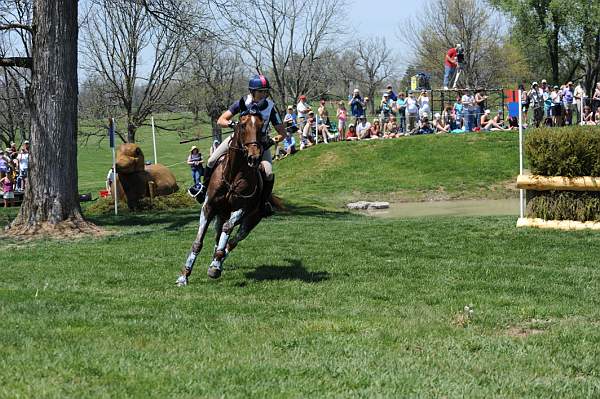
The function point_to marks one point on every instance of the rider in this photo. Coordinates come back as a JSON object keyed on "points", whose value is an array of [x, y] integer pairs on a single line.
{"points": [[259, 99]]}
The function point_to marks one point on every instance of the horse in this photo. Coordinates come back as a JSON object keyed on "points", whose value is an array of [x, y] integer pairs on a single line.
{"points": [[233, 194]]}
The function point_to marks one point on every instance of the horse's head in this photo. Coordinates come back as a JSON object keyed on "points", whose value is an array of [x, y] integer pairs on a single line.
{"points": [[247, 135]]}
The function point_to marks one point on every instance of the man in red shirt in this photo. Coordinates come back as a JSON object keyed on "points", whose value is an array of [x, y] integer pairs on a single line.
{"points": [[450, 64]]}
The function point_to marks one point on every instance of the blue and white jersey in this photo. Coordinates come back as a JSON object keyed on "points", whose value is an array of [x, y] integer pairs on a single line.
{"points": [[269, 114]]}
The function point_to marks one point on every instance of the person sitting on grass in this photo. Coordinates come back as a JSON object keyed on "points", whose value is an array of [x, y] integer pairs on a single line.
{"points": [[439, 124], [390, 129], [312, 126], [7, 190], [351, 133], [588, 117], [289, 146], [425, 125], [597, 116], [363, 128], [375, 130], [488, 123]]}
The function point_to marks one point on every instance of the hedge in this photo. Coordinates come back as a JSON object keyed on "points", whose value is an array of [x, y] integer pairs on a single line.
{"points": [[569, 151], [581, 206]]}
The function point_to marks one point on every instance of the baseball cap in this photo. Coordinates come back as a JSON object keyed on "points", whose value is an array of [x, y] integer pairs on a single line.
{"points": [[544, 81], [356, 91], [534, 84]]}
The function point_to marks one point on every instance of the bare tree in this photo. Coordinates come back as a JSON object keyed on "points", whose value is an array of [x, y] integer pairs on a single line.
{"points": [[376, 64], [215, 79], [117, 37], [284, 38]]}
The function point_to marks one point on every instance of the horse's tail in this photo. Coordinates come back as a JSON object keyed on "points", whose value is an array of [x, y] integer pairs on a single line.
{"points": [[277, 203]]}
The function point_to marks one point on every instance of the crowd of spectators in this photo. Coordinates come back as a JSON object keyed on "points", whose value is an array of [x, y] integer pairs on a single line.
{"points": [[564, 105], [397, 115], [14, 168]]}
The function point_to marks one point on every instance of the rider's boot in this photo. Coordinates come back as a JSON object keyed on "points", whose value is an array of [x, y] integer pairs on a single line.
{"points": [[200, 192], [266, 207]]}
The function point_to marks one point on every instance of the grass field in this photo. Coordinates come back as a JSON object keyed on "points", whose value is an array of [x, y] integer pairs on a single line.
{"points": [[315, 303]]}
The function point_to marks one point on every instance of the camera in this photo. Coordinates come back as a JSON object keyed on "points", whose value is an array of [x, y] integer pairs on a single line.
{"points": [[460, 55]]}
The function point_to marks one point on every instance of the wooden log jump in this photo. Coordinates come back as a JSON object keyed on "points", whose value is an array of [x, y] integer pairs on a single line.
{"points": [[557, 224], [562, 183]]}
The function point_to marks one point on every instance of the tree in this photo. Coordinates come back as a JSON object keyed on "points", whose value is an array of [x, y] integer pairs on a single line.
{"points": [[444, 23], [285, 38], [116, 36], [51, 201], [376, 64]]}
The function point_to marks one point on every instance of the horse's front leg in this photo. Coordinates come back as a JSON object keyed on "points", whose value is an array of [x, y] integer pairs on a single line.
{"points": [[215, 268], [205, 218]]}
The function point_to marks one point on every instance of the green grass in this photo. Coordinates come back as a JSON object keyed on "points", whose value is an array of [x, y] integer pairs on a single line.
{"points": [[315, 303], [341, 306]]}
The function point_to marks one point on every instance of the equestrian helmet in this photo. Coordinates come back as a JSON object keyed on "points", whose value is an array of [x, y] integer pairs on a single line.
{"points": [[258, 82]]}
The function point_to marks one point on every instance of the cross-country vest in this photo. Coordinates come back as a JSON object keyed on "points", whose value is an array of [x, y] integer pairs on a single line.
{"points": [[265, 113]]}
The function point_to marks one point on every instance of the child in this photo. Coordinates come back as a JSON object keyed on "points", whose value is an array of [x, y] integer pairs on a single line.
{"points": [[7, 189], [458, 112], [342, 115], [351, 136]]}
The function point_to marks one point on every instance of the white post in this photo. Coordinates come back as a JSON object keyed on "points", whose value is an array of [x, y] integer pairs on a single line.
{"points": [[115, 193], [154, 139], [521, 191]]}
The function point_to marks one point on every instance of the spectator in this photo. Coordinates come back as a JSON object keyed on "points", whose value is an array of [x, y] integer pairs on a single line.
{"points": [[448, 119], [401, 110], [5, 163], [391, 129], [302, 109], [390, 92], [23, 159], [544, 86], [597, 116], [375, 130], [386, 107], [450, 65], [488, 123], [290, 118], [363, 128], [7, 189], [357, 105], [214, 147], [424, 124], [580, 97], [439, 124], [480, 100], [588, 117], [536, 101], [557, 108], [311, 125], [351, 134], [524, 102], [469, 110], [342, 116], [423, 101], [110, 178], [323, 115], [412, 111], [547, 98], [195, 160], [458, 111], [289, 146], [596, 99], [568, 97], [12, 150]]}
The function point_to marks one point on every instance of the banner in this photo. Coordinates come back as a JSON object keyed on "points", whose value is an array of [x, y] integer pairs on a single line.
{"points": [[111, 133]]}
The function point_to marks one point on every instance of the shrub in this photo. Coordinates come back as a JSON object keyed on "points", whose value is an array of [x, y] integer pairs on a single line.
{"points": [[570, 151], [564, 205], [178, 200]]}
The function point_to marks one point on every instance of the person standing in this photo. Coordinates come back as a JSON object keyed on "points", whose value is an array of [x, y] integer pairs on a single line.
{"points": [[357, 105], [7, 189], [580, 97], [342, 115], [412, 112], [195, 160], [480, 100], [401, 110], [23, 159], [450, 65], [469, 110], [302, 110]]}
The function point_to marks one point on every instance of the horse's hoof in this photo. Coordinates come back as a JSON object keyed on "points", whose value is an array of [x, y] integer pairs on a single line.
{"points": [[214, 272], [181, 281]]}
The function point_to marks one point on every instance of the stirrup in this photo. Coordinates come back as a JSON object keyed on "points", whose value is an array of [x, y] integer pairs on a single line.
{"points": [[195, 190]]}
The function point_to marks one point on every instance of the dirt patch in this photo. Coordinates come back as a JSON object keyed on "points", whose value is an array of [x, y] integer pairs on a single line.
{"points": [[69, 229], [523, 332]]}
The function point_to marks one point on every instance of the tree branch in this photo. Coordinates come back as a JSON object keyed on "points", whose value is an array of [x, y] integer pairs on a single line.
{"points": [[16, 26], [21, 62]]}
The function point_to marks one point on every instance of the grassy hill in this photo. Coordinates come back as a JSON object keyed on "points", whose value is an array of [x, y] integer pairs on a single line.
{"points": [[407, 169]]}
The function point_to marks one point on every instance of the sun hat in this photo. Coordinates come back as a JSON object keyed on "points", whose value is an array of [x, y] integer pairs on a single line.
{"points": [[356, 91], [290, 107], [193, 148], [437, 115], [544, 81], [534, 84], [487, 111]]}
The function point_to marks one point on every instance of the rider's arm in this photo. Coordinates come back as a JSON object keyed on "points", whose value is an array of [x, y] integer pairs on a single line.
{"points": [[225, 119], [280, 133]]}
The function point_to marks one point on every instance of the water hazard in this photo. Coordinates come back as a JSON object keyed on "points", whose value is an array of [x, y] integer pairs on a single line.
{"points": [[503, 207]]}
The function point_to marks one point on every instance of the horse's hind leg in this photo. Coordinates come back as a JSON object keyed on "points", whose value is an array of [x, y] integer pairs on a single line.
{"points": [[205, 218], [246, 227], [215, 268]]}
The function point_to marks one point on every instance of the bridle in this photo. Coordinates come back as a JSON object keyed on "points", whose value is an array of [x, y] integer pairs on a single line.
{"points": [[237, 145]]}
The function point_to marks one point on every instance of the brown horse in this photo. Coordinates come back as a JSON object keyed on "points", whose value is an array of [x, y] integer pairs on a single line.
{"points": [[233, 195]]}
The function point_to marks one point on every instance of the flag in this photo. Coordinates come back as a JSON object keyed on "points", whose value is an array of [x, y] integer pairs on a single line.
{"points": [[111, 133]]}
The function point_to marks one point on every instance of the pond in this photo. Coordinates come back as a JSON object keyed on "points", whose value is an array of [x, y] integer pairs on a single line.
{"points": [[503, 207]]}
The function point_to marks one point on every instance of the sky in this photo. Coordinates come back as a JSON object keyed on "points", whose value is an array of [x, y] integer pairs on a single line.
{"points": [[382, 18]]}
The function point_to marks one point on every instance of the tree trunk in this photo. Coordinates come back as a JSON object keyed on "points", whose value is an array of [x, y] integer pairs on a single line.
{"points": [[216, 131], [51, 203], [131, 132]]}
